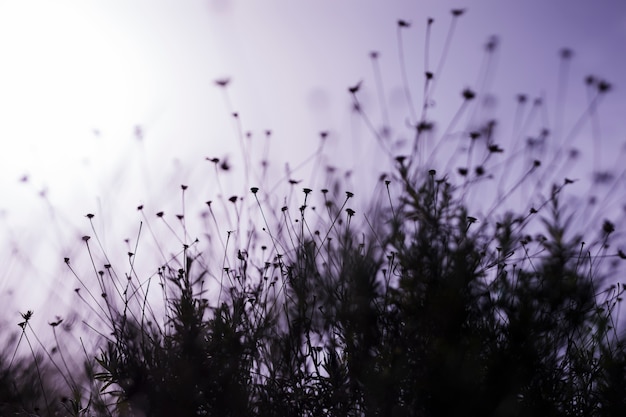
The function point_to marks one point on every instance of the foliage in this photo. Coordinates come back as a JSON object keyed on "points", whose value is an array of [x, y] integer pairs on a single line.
{"points": [[421, 310]]}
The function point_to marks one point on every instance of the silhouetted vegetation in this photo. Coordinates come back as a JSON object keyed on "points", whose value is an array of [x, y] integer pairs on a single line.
{"points": [[423, 306]]}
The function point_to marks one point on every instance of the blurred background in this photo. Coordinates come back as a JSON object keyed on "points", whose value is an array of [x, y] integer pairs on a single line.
{"points": [[108, 105]]}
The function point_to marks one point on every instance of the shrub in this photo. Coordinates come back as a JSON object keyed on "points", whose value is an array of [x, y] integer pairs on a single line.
{"points": [[423, 308]]}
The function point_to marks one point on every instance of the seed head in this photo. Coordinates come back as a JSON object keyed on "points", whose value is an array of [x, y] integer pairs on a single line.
{"points": [[492, 43], [222, 82], [468, 94], [566, 53], [603, 86], [355, 88]]}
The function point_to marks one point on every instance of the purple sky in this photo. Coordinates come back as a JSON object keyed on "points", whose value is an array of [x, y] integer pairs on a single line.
{"points": [[80, 77]]}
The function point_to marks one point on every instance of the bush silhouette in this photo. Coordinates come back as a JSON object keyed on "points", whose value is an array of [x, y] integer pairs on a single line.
{"points": [[425, 309]]}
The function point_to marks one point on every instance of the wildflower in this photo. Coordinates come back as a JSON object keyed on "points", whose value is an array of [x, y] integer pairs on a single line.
{"points": [[254, 190], [424, 126], [86, 238], [349, 194], [403, 24], [355, 88], [26, 316], [491, 44], [350, 212], [222, 82], [89, 216], [457, 12], [307, 190], [603, 86], [55, 323], [608, 227], [233, 199], [566, 53], [495, 148], [468, 94]]}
